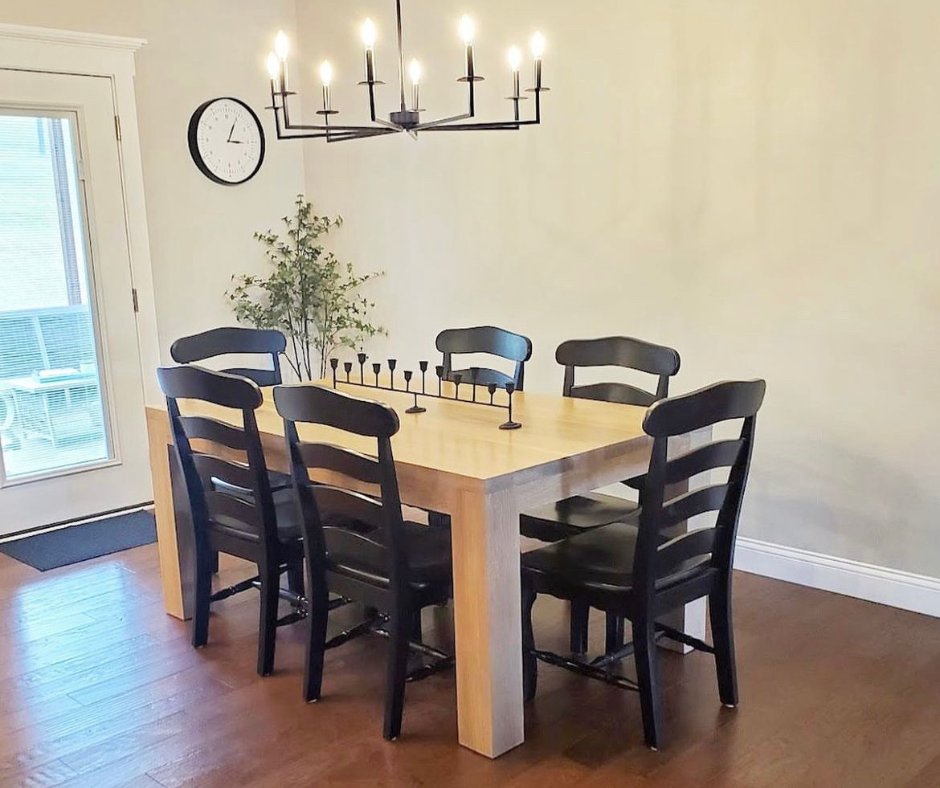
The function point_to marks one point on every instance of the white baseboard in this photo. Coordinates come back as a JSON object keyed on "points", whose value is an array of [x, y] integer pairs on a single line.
{"points": [[907, 591]]}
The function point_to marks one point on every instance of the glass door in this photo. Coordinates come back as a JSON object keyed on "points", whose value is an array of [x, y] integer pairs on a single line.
{"points": [[72, 438]]}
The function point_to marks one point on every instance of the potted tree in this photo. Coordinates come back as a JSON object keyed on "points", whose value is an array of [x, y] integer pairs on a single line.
{"points": [[310, 296]]}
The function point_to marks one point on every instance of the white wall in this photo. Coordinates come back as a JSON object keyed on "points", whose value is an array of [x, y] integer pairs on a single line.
{"points": [[200, 232], [754, 182]]}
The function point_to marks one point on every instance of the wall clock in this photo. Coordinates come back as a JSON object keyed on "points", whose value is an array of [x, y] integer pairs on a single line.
{"points": [[226, 141]]}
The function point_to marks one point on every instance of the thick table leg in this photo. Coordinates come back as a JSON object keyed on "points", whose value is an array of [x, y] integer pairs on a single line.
{"points": [[158, 430], [487, 618]]}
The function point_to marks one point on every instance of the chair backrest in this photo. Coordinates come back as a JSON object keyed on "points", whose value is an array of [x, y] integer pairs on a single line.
{"points": [[492, 341], [235, 341], [339, 521], [623, 352], [243, 503], [658, 564]]}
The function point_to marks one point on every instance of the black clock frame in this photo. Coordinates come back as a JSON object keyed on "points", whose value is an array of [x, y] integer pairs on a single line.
{"points": [[193, 136]]}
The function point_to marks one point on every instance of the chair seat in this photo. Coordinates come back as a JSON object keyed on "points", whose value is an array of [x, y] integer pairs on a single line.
{"points": [[429, 557], [573, 516], [599, 560], [288, 521]]}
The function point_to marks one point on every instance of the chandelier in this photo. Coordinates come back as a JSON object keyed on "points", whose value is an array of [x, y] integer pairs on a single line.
{"points": [[407, 118]]}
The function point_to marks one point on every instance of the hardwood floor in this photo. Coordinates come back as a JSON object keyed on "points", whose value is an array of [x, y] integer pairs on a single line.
{"points": [[100, 689]]}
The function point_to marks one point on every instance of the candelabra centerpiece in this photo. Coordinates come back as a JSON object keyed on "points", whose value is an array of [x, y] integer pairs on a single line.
{"points": [[407, 118]]}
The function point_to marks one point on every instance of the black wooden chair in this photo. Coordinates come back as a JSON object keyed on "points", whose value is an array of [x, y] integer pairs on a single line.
{"points": [[238, 341], [577, 514], [233, 508], [230, 341], [640, 573], [359, 546], [490, 341]]}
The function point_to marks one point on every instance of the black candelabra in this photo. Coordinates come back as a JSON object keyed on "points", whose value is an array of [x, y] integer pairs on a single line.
{"points": [[408, 375]]}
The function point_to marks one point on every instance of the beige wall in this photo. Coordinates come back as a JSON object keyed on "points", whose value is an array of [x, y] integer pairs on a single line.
{"points": [[754, 182], [200, 232]]}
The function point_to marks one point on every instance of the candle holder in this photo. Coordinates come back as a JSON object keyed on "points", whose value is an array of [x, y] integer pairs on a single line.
{"points": [[361, 358], [457, 378], [423, 366], [416, 408], [509, 424]]}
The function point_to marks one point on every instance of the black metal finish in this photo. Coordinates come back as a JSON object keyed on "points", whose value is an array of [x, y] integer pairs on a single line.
{"points": [[404, 120], [456, 377], [636, 573]]}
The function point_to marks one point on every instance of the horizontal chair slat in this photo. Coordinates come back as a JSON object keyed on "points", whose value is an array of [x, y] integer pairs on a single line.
{"points": [[203, 428], [706, 499], [232, 473], [326, 456], [347, 547], [694, 544], [719, 454], [622, 393], [233, 512], [336, 501]]}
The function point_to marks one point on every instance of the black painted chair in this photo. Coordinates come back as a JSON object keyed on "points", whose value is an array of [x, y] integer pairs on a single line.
{"points": [[580, 513], [640, 573], [240, 341], [491, 341], [235, 341], [359, 546], [233, 508]]}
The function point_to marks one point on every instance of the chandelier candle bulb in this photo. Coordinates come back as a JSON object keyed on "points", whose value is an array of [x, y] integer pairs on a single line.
{"points": [[326, 78], [515, 61], [467, 32], [538, 51], [282, 49], [368, 39], [414, 71]]}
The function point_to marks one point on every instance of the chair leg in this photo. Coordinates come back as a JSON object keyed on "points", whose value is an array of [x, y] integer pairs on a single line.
{"points": [[416, 630], [202, 596], [646, 655], [318, 617], [530, 665], [579, 627], [719, 608], [267, 626], [397, 669], [215, 562], [295, 578], [614, 641]]}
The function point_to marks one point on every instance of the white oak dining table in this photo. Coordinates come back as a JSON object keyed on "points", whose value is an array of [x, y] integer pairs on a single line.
{"points": [[453, 459]]}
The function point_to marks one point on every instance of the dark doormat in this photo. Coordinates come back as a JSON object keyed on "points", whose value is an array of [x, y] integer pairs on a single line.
{"points": [[79, 543]]}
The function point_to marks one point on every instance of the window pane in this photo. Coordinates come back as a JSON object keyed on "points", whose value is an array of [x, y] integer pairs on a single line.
{"points": [[51, 413]]}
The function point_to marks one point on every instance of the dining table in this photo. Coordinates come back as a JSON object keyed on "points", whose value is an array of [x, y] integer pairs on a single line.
{"points": [[452, 459]]}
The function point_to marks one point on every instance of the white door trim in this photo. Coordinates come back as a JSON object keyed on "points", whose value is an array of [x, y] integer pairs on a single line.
{"points": [[92, 54]]}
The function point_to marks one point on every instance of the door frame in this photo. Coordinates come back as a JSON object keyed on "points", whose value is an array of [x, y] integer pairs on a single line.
{"points": [[27, 48]]}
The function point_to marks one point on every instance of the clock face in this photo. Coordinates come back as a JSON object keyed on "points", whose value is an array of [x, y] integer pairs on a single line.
{"points": [[226, 141]]}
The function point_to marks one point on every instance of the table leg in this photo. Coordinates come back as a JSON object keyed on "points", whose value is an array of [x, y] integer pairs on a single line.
{"points": [[487, 619], [158, 430]]}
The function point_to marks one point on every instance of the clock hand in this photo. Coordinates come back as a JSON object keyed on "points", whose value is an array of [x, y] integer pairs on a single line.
{"points": [[230, 132]]}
